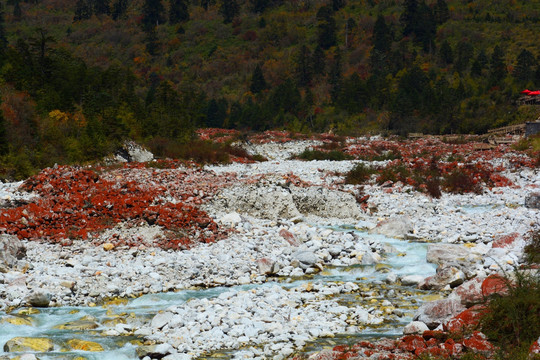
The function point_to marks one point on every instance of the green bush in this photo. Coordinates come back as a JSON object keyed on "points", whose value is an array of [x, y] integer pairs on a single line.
{"points": [[359, 174], [334, 155], [513, 320]]}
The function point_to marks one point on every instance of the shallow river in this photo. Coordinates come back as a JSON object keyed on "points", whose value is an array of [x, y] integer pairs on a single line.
{"points": [[409, 259]]}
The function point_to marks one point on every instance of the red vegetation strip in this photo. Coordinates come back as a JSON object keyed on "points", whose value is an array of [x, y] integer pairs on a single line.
{"points": [[76, 202]]}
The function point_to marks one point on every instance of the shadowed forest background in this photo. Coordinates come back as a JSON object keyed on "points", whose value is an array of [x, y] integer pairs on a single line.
{"points": [[77, 78]]}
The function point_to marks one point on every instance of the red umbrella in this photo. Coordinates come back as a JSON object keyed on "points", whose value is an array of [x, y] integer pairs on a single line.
{"points": [[526, 91], [534, 93]]}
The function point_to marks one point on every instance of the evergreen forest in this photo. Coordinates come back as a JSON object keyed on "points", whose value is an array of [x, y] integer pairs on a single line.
{"points": [[79, 77]]}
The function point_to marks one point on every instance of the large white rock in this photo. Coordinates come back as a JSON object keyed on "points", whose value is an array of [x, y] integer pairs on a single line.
{"points": [[396, 227]]}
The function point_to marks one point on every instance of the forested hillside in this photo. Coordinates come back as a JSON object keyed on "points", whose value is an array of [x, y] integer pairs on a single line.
{"points": [[78, 77]]}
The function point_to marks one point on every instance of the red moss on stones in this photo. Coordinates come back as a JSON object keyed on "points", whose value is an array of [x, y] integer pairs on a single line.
{"points": [[76, 202]]}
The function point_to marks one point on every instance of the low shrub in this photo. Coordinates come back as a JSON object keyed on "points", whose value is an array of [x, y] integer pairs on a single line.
{"points": [[513, 320], [359, 174], [460, 181], [532, 249]]}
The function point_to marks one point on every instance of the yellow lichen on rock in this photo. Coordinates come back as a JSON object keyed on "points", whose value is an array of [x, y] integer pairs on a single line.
{"points": [[29, 344], [84, 345], [108, 246], [16, 320], [29, 311]]}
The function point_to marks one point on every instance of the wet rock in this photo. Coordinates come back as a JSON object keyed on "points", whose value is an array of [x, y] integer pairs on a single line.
{"points": [[532, 201], [396, 227], [437, 312], [81, 324], [415, 327], [20, 344], [154, 351], [11, 250], [39, 298], [17, 320], [84, 345]]}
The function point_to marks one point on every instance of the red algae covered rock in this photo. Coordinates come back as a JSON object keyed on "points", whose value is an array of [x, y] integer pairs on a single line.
{"points": [[479, 344], [494, 284], [465, 320], [505, 240], [470, 292], [75, 202]]}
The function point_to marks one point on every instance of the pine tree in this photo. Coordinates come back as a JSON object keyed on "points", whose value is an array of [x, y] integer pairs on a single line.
{"points": [[303, 67], [523, 70], [152, 14], [119, 9], [326, 27], [258, 83], [409, 17], [445, 53], [426, 28], [102, 7], [338, 4], [178, 11], [441, 12], [83, 11], [497, 68], [382, 38], [4, 148], [229, 9], [3, 36], [318, 61], [464, 53], [17, 12], [336, 77]]}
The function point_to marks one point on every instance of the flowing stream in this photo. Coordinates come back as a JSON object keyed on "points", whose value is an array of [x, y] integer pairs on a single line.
{"points": [[409, 258]]}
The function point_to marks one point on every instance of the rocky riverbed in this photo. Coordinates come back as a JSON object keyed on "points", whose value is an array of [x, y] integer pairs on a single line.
{"points": [[286, 255]]}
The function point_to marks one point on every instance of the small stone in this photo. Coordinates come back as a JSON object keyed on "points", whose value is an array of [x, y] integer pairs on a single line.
{"points": [[415, 327], [108, 246]]}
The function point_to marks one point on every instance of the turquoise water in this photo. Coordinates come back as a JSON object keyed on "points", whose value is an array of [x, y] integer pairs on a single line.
{"points": [[407, 258]]}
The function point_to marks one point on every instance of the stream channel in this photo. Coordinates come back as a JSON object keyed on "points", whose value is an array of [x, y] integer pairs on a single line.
{"points": [[409, 258]]}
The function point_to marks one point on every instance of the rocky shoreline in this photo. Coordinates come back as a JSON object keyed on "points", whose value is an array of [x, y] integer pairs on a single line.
{"points": [[280, 217]]}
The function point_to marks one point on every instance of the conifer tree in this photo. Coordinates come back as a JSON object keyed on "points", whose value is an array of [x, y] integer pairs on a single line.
{"points": [[326, 27], [152, 13], [3, 136], [17, 12], [229, 9], [441, 12], [3, 36], [178, 11], [497, 67], [119, 9], [318, 61], [258, 83], [83, 11], [382, 38], [446, 54], [523, 70], [102, 7], [303, 66]]}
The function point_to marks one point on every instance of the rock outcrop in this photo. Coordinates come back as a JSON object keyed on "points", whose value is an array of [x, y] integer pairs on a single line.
{"points": [[11, 251]]}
